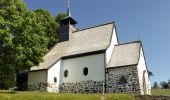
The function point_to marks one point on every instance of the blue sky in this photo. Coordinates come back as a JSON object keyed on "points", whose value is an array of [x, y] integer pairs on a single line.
{"points": [[148, 18]]}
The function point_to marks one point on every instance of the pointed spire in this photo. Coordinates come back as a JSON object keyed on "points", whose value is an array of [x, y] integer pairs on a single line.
{"points": [[68, 19], [68, 9]]}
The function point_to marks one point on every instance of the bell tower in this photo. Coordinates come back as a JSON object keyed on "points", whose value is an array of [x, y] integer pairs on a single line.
{"points": [[67, 26]]}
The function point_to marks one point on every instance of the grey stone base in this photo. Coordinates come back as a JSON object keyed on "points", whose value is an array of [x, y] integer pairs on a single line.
{"points": [[82, 87], [37, 87], [113, 85], [114, 75]]}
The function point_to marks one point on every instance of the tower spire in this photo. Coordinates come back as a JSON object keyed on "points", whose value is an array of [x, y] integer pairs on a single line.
{"points": [[68, 19], [67, 26], [68, 9]]}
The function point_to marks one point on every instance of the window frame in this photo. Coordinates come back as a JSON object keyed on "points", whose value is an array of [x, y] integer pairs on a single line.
{"points": [[66, 73], [55, 79], [85, 71]]}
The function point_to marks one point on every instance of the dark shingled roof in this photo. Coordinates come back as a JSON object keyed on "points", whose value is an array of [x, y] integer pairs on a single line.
{"points": [[83, 41], [125, 54]]}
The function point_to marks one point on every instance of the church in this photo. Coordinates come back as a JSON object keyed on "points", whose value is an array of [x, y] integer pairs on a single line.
{"points": [[89, 61]]}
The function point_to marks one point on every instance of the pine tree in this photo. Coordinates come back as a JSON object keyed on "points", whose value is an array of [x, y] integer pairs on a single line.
{"points": [[155, 86]]}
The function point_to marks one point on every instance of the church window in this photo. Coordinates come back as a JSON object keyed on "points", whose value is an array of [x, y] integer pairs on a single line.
{"points": [[122, 81], [55, 79], [85, 71], [66, 73]]}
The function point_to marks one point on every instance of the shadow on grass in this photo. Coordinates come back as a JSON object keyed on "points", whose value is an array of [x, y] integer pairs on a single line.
{"points": [[8, 92]]}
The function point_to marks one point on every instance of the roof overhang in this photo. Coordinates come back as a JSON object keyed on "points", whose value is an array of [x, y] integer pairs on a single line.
{"points": [[84, 54]]}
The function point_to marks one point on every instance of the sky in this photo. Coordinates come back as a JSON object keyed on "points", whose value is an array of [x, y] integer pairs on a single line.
{"points": [[147, 19]]}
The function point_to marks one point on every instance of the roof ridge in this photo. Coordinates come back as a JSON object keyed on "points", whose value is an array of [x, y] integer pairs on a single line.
{"points": [[94, 26], [137, 41]]}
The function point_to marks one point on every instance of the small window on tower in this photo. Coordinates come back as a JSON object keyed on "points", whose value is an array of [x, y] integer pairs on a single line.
{"points": [[66, 73], [85, 71], [122, 81], [55, 79]]}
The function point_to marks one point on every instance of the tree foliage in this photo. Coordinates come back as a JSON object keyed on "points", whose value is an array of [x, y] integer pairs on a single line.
{"points": [[25, 37], [165, 84], [50, 26], [59, 17], [155, 86]]}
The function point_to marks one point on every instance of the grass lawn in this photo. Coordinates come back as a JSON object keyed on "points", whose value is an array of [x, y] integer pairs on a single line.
{"points": [[163, 92], [12, 95], [15, 95]]}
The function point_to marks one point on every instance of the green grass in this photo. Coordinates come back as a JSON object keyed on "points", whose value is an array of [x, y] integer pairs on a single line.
{"points": [[15, 95], [163, 92], [11, 95]]}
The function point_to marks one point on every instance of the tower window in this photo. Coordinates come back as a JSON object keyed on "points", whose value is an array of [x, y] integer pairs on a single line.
{"points": [[66, 73], [85, 71], [122, 81], [55, 79]]}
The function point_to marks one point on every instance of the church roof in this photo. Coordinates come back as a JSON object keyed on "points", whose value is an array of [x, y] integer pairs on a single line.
{"points": [[83, 41], [125, 54]]}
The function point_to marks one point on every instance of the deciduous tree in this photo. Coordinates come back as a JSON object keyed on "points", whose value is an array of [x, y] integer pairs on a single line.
{"points": [[25, 37]]}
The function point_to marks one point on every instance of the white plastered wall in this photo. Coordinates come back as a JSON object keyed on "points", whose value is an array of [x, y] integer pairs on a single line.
{"points": [[75, 66], [143, 75], [114, 41], [37, 77], [54, 71]]}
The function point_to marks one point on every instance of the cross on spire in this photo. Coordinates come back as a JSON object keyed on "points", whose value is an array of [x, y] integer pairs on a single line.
{"points": [[68, 19], [68, 9]]}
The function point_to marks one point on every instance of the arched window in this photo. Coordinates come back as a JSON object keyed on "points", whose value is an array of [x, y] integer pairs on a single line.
{"points": [[122, 81], [85, 71], [66, 73], [55, 79]]}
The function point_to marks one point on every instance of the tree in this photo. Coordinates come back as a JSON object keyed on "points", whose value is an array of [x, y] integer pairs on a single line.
{"points": [[155, 86], [59, 17], [22, 37], [164, 85], [50, 26], [25, 37], [169, 81]]}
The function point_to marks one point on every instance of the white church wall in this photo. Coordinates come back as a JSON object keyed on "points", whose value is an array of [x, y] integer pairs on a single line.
{"points": [[109, 50], [37, 80], [77, 82], [54, 72], [75, 66], [142, 71]]}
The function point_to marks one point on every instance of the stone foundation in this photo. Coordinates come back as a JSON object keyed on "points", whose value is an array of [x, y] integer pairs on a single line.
{"points": [[114, 75], [113, 84], [37, 87], [50, 87], [82, 87]]}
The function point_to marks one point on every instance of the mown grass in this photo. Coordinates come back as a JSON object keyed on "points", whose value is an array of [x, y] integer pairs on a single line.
{"points": [[15, 95], [162, 92], [12, 95]]}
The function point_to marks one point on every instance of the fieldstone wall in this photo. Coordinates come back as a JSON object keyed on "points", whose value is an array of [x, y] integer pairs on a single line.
{"points": [[37, 87], [113, 76], [50, 87], [89, 86]]}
